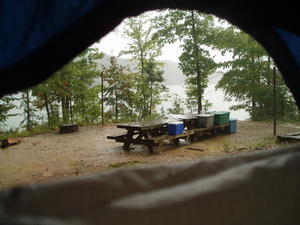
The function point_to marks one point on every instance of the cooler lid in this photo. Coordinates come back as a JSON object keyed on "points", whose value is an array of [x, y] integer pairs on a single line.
{"points": [[205, 115], [175, 123], [221, 112]]}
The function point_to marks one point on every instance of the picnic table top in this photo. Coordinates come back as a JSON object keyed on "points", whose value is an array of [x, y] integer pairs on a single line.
{"points": [[144, 125], [188, 116]]}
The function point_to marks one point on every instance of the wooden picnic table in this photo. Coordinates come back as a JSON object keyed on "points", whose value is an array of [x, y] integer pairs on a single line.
{"points": [[142, 132], [155, 132]]}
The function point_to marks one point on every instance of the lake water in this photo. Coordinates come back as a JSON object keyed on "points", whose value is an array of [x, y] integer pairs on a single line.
{"points": [[213, 96], [216, 97], [210, 94]]}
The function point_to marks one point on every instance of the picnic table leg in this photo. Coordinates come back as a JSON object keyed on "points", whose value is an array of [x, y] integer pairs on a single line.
{"points": [[188, 140], [150, 148], [149, 145], [127, 141], [176, 141]]}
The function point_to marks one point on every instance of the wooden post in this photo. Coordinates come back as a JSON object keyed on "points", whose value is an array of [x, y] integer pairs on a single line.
{"points": [[28, 111], [102, 100], [274, 103]]}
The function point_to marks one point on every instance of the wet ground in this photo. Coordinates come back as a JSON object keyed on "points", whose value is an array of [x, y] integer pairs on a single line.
{"points": [[54, 156]]}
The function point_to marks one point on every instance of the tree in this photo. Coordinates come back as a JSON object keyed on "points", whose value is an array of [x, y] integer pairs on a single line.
{"points": [[6, 104], [177, 106], [72, 91], [46, 99], [144, 46], [119, 90], [249, 78], [154, 81], [28, 109], [196, 33], [76, 88]]}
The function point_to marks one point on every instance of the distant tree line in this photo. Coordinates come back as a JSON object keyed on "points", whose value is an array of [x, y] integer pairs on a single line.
{"points": [[74, 93]]}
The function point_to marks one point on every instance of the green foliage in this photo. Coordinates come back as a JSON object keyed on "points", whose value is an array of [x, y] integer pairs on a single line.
{"points": [[46, 98], [228, 146], [143, 42], [6, 104], [263, 143], [207, 105], [71, 94], [153, 86], [177, 106], [35, 130], [249, 78], [28, 110], [119, 91]]}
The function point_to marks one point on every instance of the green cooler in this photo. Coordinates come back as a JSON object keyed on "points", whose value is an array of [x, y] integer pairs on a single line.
{"points": [[220, 117]]}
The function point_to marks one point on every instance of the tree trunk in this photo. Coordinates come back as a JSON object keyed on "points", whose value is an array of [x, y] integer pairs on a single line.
{"points": [[144, 86], [47, 108], [64, 108], [116, 107], [144, 107], [28, 125], [71, 109], [253, 109], [151, 98], [83, 111], [198, 80], [102, 99], [270, 71]]}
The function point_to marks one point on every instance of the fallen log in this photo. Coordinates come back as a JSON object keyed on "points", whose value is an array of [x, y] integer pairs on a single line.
{"points": [[9, 142], [195, 149]]}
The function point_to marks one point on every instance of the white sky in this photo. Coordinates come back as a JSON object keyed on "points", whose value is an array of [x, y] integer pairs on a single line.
{"points": [[113, 43]]}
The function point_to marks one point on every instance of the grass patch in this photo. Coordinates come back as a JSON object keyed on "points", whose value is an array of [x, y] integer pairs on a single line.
{"points": [[264, 143], [125, 164], [77, 164], [39, 129], [228, 146]]}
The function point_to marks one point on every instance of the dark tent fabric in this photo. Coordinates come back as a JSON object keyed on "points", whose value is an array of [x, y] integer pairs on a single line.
{"points": [[26, 26], [250, 189], [38, 37], [292, 41]]}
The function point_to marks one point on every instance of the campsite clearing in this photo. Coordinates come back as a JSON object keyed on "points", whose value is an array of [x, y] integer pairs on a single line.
{"points": [[53, 156]]}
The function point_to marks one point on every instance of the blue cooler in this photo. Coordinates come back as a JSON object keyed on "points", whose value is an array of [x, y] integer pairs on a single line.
{"points": [[175, 128]]}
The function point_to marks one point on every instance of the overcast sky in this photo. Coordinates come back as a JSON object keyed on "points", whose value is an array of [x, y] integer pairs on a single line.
{"points": [[113, 43]]}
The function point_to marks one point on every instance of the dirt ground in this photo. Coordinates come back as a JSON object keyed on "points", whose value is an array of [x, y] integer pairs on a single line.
{"points": [[53, 156]]}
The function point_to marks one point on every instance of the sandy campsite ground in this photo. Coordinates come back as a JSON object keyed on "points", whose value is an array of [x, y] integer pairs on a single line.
{"points": [[53, 156]]}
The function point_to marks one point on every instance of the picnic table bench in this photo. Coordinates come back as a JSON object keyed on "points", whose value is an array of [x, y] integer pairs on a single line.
{"points": [[155, 132]]}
